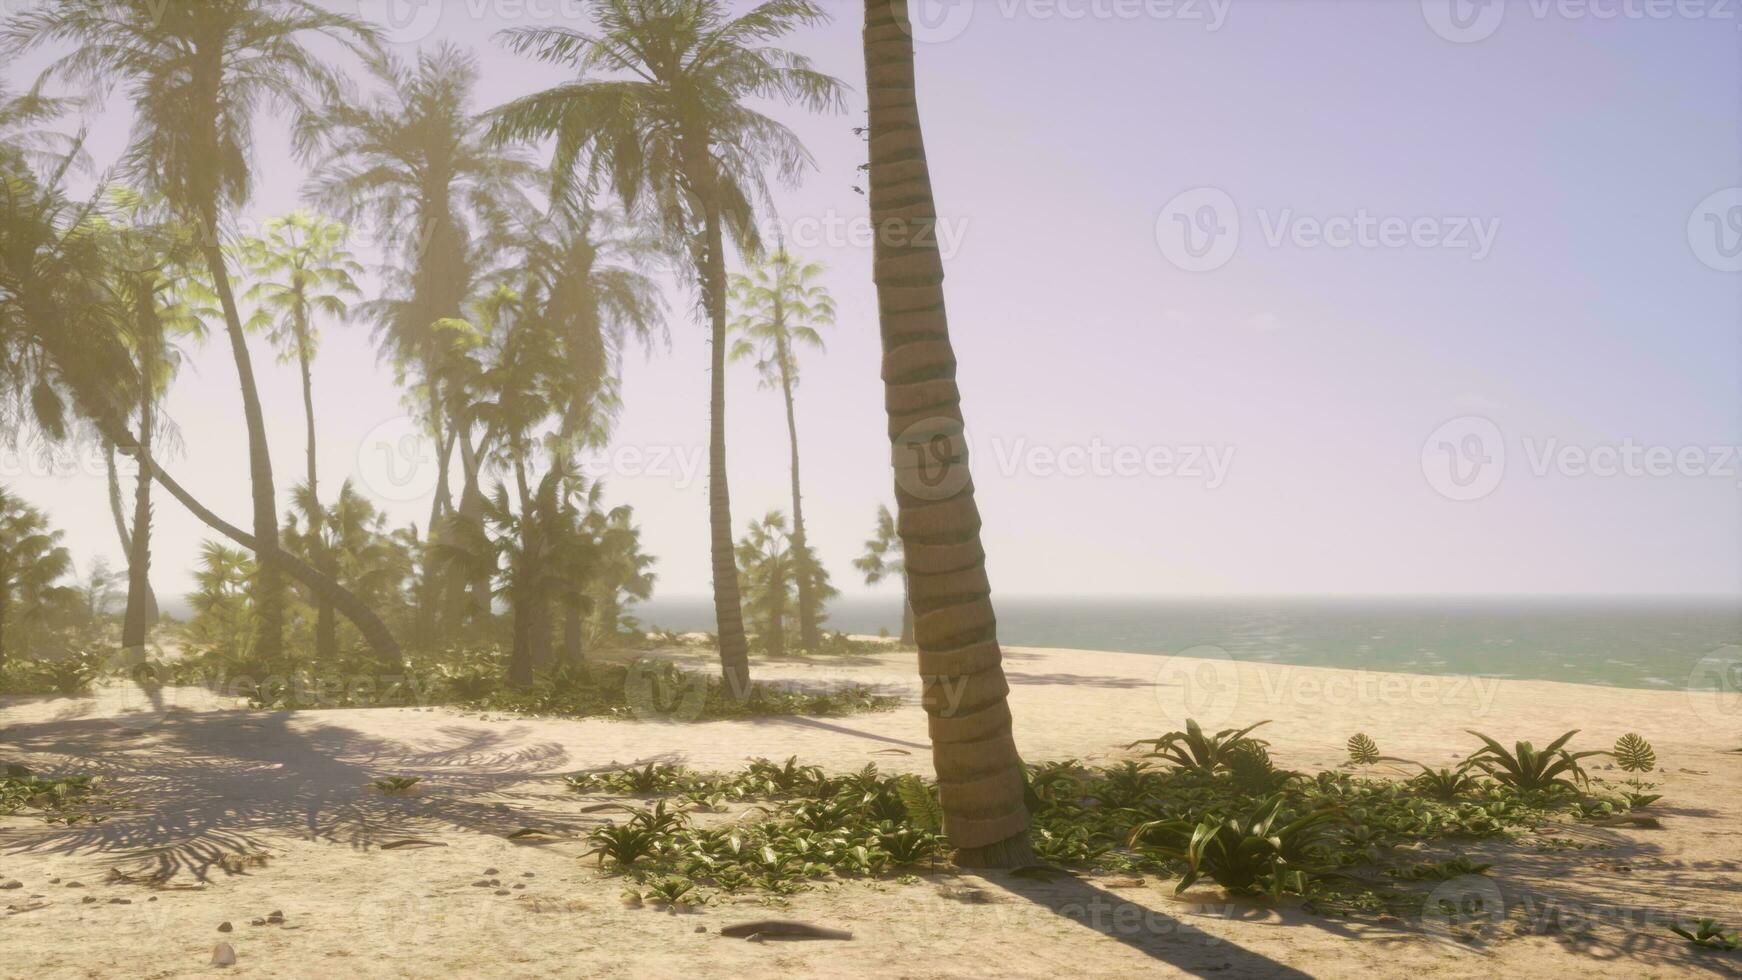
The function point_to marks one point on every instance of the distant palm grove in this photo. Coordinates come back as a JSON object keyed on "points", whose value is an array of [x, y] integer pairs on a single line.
{"points": [[524, 246]]}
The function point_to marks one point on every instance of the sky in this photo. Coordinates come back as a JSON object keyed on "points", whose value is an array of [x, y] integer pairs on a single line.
{"points": [[1352, 296]]}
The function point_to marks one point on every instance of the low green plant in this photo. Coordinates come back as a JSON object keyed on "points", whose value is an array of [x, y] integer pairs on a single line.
{"points": [[1195, 752], [59, 799], [1634, 754], [1456, 867], [1445, 784], [1708, 934], [394, 785], [1528, 770], [1260, 852], [1363, 751]]}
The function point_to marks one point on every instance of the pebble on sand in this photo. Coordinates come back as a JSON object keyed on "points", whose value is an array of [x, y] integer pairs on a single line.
{"points": [[223, 954]]}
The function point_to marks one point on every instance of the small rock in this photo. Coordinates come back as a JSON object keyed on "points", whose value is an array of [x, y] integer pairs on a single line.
{"points": [[75, 884], [258, 922], [275, 914], [88, 899], [223, 954], [54, 881], [120, 901], [152, 899], [701, 928], [491, 871], [225, 927], [503, 891], [11, 883], [484, 883], [527, 874], [520, 885]]}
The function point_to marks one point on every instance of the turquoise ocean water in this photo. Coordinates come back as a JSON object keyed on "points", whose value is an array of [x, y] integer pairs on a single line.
{"points": [[1621, 642]]}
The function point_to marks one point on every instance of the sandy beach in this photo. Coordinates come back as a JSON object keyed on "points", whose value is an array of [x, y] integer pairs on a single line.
{"points": [[204, 783]]}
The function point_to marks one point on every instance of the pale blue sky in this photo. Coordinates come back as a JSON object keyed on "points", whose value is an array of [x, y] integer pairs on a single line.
{"points": [[1583, 146]]}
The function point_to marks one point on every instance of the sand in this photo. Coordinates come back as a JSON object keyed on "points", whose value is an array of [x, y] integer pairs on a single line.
{"points": [[202, 779]]}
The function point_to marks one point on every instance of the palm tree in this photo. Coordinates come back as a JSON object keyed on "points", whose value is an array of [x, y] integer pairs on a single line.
{"points": [[980, 774], [159, 302], [413, 163], [622, 573], [196, 74], [32, 560], [659, 108], [302, 269], [767, 567], [63, 355], [780, 306], [350, 540], [883, 560]]}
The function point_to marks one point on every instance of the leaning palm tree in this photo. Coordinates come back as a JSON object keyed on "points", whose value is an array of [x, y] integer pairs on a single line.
{"points": [[780, 306], [659, 108], [197, 73], [63, 357], [980, 775], [883, 560]]}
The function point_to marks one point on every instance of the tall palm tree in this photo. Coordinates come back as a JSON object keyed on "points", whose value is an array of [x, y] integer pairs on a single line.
{"points": [[413, 163], [883, 560], [32, 560], [780, 306], [659, 107], [197, 72], [301, 269], [980, 774]]}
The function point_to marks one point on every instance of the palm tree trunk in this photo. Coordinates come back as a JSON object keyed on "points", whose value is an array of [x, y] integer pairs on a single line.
{"points": [[118, 512], [906, 614], [472, 510], [574, 644], [980, 774], [711, 271], [5, 604], [269, 583], [807, 610], [326, 620], [136, 619]]}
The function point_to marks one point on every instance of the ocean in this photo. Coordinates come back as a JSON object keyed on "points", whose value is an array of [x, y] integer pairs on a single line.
{"points": [[1652, 643]]}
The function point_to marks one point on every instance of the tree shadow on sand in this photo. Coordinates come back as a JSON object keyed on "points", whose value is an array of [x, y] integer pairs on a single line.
{"points": [[200, 786]]}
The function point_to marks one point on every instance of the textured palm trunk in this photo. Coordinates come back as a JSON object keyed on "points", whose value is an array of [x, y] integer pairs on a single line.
{"points": [[269, 581], [802, 564], [980, 774], [574, 642], [323, 587], [5, 609], [711, 271], [472, 505], [906, 614], [136, 619], [326, 619]]}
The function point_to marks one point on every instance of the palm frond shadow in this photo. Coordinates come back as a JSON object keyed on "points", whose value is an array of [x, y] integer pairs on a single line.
{"points": [[198, 787]]}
